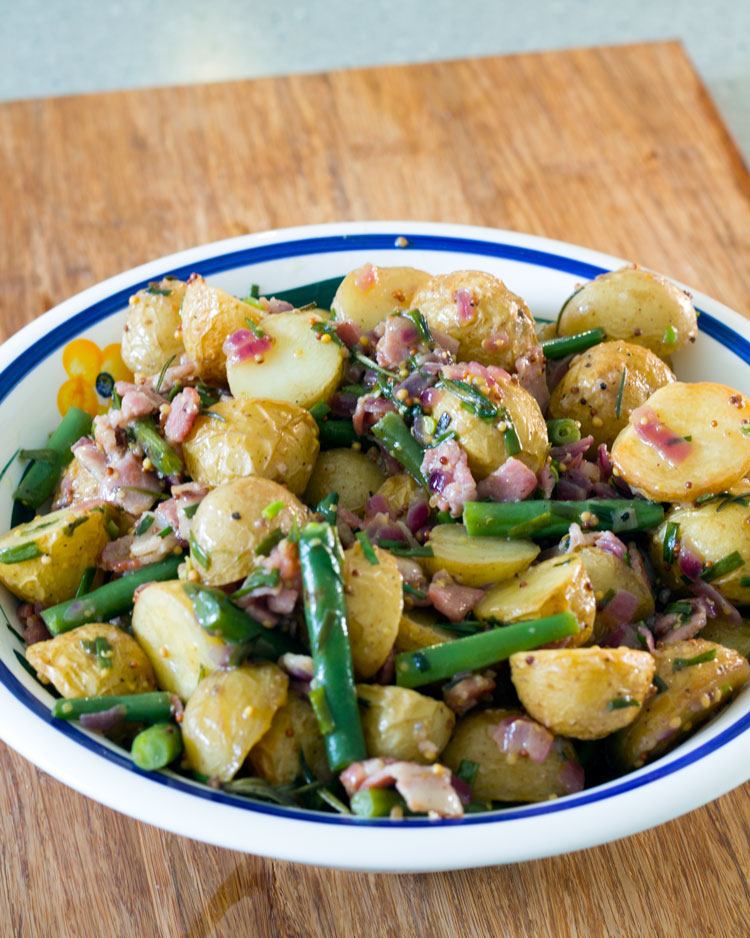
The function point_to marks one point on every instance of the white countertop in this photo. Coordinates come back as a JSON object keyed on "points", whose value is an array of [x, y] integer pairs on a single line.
{"points": [[54, 47]]}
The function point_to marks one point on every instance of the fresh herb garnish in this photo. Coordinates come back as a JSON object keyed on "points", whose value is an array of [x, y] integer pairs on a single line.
{"points": [[607, 598], [367, 549], [400, 549], [326, 328], [620, 703], [269, 542], [163, 532], [620, 391], [155, 290], [8, 464], [99, 647], [200, 555], [20, 553], [87, 578], [255, 580], [162, 373], [660, 684], [422, 325], [190, 510], [722, 567], [475, 401], [272, 509], [671, 534], [679, 663], [255, 328], [670, 336], [413, 591]]}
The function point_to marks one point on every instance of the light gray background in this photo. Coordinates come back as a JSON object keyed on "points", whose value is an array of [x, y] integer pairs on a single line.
{"points": [[53, 47]]}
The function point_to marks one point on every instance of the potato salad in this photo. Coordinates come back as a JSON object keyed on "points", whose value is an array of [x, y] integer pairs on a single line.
{"points": [[415, 554]]}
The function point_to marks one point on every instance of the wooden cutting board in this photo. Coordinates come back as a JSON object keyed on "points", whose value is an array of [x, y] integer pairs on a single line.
{"points": [[619, 149]]}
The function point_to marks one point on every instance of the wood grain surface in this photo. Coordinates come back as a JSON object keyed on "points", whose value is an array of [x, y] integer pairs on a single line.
{"points": [[618, 149]]}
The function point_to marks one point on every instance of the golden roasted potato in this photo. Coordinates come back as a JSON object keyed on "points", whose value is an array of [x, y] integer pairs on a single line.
{"points": [[715, 530], [504, 776], [76, 485], [57, 548], [492, 325], [476, 561], [723, 631], [586, 693], [253, 437], [374, 603], [607, 572], [399, 490], [153, 329], [209, 315], [713, 416], [605, 384], [94, 660], [485, 443], [403, 723], [181, 652], [275, 757], [369, 294], [698, 678], [418, 628], [229, 527], [559, 584], [302, 366], [353, 475], [229, 712], [635, 305]]}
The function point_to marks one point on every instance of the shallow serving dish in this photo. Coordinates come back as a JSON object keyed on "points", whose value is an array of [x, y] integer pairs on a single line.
{"points": [[711, 762]]}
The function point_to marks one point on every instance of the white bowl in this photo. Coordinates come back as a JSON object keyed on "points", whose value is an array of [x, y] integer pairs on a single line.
{"points": [[710, 763]]}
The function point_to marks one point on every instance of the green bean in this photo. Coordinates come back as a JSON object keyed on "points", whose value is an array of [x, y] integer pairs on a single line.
{"points": [[109, 600], [396, 438], [572, 344], [375, 802], [152, 707], [43, 475], [337, 434], [541, 518], [563, 431], [165, 459], [439, 662], [157, 746], [325, 614]]}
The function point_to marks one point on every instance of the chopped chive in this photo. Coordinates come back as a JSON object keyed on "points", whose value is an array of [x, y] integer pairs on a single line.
{"points": [[334, 802], [607, 598], [42, 455], [465, 627], [660, 684], [422, 325], [671, 534], [190, 510], [200, 555], [400, 549], [679, 663], [165, 531], [670, 336], [477, 402], [328, 508], [467, 770], [157, 291], [322, 710], [272, 509], [621, 391], [269, 542], [20, 553], [620, 703], [255, 580], [733, 500], [680, 609], [255, 291], [367, 548], [162, 373], [174, 392], [116, 400], [100, 648], [413, 591], [255, 328], [722, 567], [512, 443], [326, 328], [87, 579], [112, 529], [370, 365], [144, 524]]}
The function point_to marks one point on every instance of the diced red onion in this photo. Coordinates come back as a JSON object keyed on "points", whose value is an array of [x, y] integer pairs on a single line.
{"points": [[243, 344], [524, 737], [466, 306], [652, 430]]}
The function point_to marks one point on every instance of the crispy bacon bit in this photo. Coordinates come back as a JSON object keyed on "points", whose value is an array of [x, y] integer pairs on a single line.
{"points": [[449, 478], [511, 482], [397, 342], [652, 430], [272, 305], [603, 540], [244, 344], [34, 629], [532, 375], [185, 408], [451, 599], [425, 788], [469, 692], [368, 411]]}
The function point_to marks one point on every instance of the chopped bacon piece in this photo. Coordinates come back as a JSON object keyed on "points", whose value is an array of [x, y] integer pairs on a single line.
{"points": [[466, 306], [449, 478], [452, 599], [652, 430], [365, 277], [272, 305], [511, 482], [532, 375], [185, 408], [368, 411], [399, 338], [425, 788], [469, 692]]}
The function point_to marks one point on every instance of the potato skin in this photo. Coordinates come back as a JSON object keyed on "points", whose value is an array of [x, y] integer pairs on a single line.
{"points": [[635, 305], [559, 584], [153, 328], [474, 561], [501, 328], [179, 649], [506, 776], [710, 531], [69, 539], [693, 694], [590, 388], [275, 757], [403, 723], [229, 526], [571, 691], [374, 603], [484, 442], [607, 572], [368, 294], [353, 475], [229, 712], [257, 437], [723, 631], [74, 671], [713, 415], [209, 315]]}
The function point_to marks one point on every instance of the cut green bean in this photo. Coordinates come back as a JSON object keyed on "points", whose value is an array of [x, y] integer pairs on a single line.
{"points": [[39, 482], [152, 707], [337, 434], [563, 431], [440, 662], [325, 614], [396, 438], [573, 344], [529, 518], [155, 747], [164, 458], [328, 507], [109, 600], [87, 578], [375, 802]]}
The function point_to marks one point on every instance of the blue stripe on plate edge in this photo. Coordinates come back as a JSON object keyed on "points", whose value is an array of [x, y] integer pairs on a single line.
{"points": [[326, 245]]}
